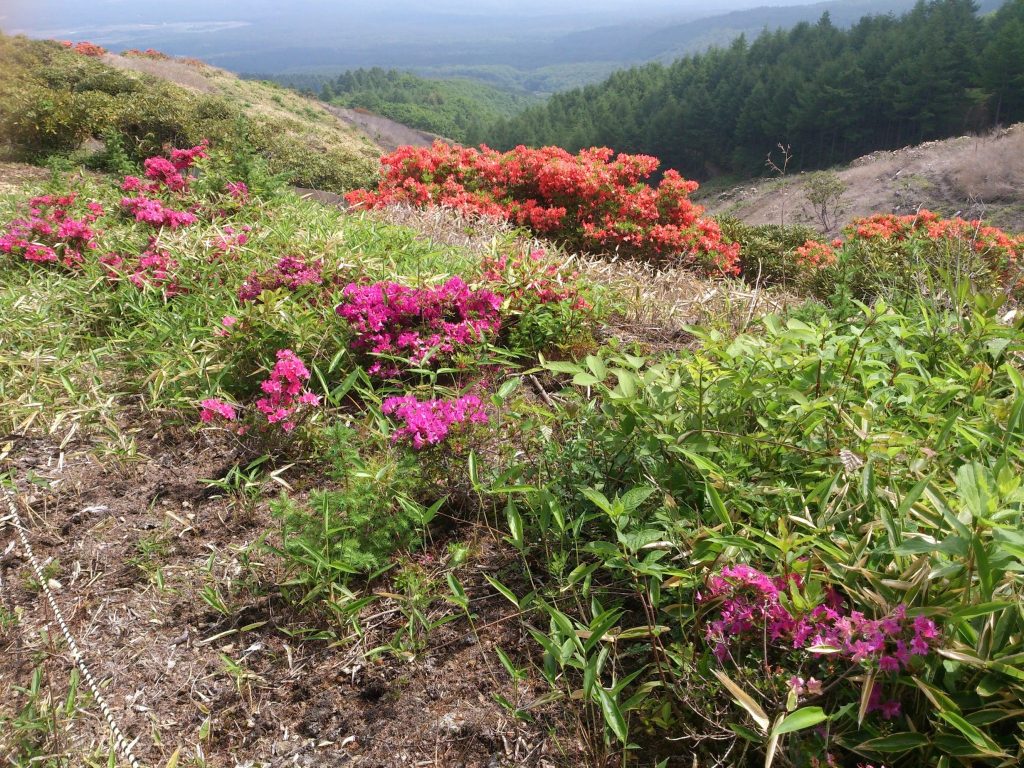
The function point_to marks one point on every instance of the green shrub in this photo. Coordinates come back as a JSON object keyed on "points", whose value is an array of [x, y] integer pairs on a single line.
{"points": [[879, 458]]}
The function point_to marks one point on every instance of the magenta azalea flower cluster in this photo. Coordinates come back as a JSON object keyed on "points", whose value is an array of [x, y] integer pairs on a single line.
{"points": [[285, 390], [153, 268], [414, 323], [428, 422], [167, 176], [284, 393], [750, 608], [291, 272], [51, 233]]}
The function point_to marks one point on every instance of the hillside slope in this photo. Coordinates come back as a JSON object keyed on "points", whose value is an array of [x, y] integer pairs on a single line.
{"points": [[54, 101], [978, 176]]}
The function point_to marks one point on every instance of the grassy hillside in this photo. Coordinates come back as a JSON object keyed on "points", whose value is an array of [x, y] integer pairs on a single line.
{"points": [[53, 101]]}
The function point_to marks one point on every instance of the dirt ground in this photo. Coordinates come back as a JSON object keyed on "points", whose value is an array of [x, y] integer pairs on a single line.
{"points": [[129, 549], [975, 176]]}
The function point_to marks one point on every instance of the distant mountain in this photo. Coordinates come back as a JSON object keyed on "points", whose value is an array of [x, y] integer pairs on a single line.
{"points": [[547, 49]]}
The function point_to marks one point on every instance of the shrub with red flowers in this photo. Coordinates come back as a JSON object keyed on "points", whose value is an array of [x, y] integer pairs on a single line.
{"points": [[749, 609], [814, 255], [594, 200], [426, 423], [416, 323], [285, 395], [149, 53], [85, 48], [53, 232], [934, 238]]}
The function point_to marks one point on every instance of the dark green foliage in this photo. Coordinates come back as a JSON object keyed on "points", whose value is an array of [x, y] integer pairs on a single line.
{"points": [[831, 94], [355, 527], [456, 108], [766, 250]]}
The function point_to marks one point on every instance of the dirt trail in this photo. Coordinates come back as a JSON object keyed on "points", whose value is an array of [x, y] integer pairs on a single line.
{"points": [[977, 176], [382, 130]]}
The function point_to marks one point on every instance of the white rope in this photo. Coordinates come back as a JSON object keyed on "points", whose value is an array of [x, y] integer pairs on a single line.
{"points": [[120, 742]]}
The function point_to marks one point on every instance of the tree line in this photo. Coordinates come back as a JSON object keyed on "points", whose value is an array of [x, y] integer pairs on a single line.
{"points": [[829, 94]]}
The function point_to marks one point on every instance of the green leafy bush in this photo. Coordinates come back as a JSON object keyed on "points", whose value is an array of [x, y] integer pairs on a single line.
{"points": [[876, 459]]}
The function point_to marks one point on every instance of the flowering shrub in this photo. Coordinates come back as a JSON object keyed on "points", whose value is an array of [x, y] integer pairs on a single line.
{"points": [[595, 200], [166, 176], [52, 233], [228, 243], [427, 422], [284, 394], [417, 323], [814, 255], [85, 48], [543, 301], [285, 390], [149, 53], [291, 272], [943, 241], [749, 608], [153, 268]]}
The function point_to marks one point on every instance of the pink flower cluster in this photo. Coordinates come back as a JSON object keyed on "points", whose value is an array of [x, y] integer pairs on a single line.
{"points": [[152, 211], [428, 422], [291, 272], [750, 604], [51, 233], [213, 408], [226, 245], [389, 318], [285, 390], [152, 268], [284, 393], [165, 175], [239, 190]]}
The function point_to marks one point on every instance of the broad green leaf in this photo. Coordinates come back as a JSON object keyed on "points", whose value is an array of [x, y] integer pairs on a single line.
{"points": [[894, 743], [980, 740], [612, 714], [805, 717]]}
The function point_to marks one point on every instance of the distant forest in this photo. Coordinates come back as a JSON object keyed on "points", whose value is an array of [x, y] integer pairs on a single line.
{"points": [[829, 94], [455, 109]]}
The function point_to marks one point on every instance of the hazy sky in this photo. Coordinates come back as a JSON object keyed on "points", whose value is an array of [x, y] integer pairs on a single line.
{"points": [[289, 35]]}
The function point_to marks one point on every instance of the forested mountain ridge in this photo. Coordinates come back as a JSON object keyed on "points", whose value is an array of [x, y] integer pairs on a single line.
{"points": [[828, 94]]}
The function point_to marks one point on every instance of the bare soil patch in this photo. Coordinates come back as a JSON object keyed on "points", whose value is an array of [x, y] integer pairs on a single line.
{"points": [[296, 696], [973, 176]]}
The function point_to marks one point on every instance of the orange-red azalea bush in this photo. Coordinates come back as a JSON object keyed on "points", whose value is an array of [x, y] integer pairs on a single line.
{"points": [[594, 200]]}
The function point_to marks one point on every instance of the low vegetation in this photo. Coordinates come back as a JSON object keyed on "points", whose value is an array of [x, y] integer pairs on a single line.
{"points": [[792, 540], [55, 99]]}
